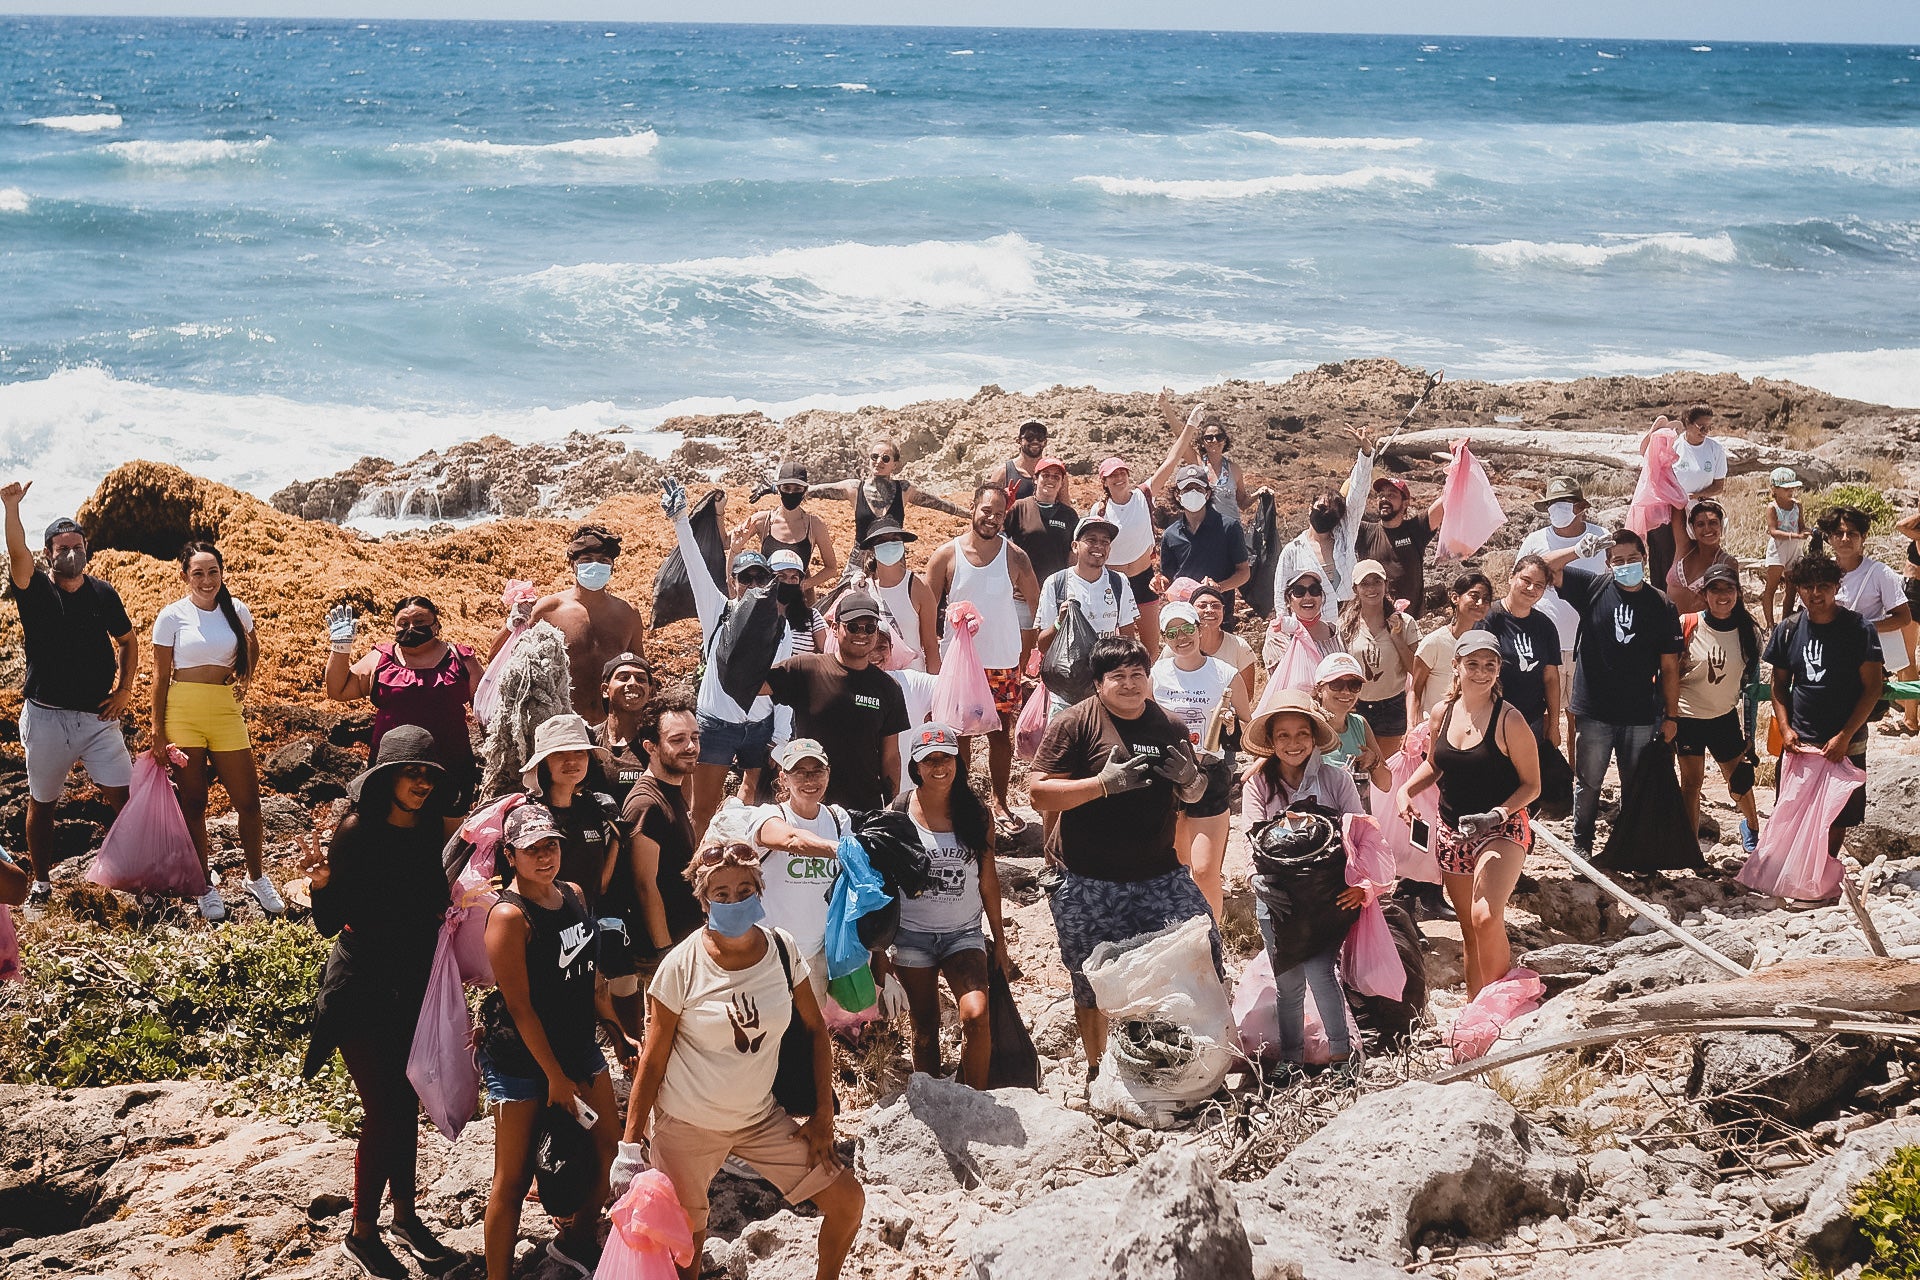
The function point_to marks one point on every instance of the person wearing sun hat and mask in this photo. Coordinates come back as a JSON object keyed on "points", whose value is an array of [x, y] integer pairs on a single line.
{"points": [[1565, 506], [903, 594]]}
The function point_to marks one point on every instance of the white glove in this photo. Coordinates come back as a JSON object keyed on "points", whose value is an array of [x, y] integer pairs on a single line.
{"points": [[341, 627], [1592, 545], [673, 499], [893, 997], [629, 1162], [521, 611]]}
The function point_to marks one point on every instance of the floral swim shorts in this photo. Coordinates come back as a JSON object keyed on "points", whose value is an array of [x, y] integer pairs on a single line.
{"points": [[1005, 683], [1458, 855]]}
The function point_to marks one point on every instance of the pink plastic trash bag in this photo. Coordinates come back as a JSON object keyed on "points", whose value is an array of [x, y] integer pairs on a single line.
{"points": [[1299, 659], [486, 695], [1658, 492], [1410, 860], [1256, 1018], [9, 946], [440, 1065], [1369, 960], [1031, 728], [1473, 509], [1792, 860], [1498, 1003], [473, 897], [650, 1232], [962, 697], [148, 849]]}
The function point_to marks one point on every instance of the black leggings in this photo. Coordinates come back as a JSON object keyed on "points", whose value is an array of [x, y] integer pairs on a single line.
{"points": [[390, 1136]]}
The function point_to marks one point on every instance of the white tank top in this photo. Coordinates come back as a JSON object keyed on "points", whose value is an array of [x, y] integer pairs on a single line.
{"points": [[897, 600], [1134, 519], [988, 588]]}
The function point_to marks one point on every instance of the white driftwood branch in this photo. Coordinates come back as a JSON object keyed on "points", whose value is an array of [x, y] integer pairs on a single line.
{"points": [[1599, 449]]}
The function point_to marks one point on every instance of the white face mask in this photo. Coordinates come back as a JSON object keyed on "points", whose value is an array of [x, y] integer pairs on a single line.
{"points": [[890, 552], [593, 575], [1193, 500], [1561, 513]]}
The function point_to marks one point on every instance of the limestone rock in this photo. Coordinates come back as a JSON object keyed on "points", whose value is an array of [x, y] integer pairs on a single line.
{"points": [[1780, 1076], [1178, 1222], [1661, 1257], [937, 1135], [1825, 1230]]}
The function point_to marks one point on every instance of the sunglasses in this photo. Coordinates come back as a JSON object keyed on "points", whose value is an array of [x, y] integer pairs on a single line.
{"points": [[1213, 437], [741, 855], [753, 578], [1178, 629], [860, 627], [1299, 589], [1345, 684], [881, 457]]}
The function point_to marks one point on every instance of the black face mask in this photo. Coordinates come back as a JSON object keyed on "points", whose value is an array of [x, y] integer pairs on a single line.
{"points": [[1322, 519], [792, 501], [412, 637]]}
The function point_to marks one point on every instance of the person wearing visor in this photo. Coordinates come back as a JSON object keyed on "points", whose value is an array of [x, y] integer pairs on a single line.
{"points": [[902, 593], [791, 528], [1200, 545], [596, 623], [418, 678], [81, 656]]}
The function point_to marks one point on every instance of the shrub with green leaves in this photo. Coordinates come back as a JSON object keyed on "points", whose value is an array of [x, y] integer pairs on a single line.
{"points": [[1864, 496], [1886, 1211]]}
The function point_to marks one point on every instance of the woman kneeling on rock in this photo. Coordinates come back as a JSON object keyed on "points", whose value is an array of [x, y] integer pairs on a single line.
{"points": [[718, 1010], [379, 891]]}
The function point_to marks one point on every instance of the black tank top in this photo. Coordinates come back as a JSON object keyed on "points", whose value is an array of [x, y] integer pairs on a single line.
{"points": [[561, 961], [863, 513], [803, 548], [1474, 780]]}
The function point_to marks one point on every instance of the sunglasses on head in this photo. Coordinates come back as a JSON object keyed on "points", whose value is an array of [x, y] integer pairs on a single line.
{"points": [[742, 855], [860, 627], [1299, 589], [1345, 684]]}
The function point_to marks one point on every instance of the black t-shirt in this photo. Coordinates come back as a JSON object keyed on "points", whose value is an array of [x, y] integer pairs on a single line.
{"points": [[1126, 837], [658, 811], [69, 635], [1402, 552], [1044, 532], [1529, 649], [1822, 662], [627, 766], [849, 713], [1622, 637], [588, 838], [1214, 550]]}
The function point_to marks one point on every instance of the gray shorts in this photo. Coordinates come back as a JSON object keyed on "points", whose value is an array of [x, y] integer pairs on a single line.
{"points": [[55, 740]]}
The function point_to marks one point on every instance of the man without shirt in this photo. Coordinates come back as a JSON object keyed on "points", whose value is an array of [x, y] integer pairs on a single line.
{"points": [[596, 624]]}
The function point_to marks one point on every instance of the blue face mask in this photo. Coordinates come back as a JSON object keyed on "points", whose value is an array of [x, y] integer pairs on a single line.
{"points": [[594, 575], [733, 919], [1630, 575]]}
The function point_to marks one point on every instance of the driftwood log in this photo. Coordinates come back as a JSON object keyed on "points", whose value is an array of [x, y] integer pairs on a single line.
{"points": [[1850, 986], [1598, 449], [1596, 1036]]}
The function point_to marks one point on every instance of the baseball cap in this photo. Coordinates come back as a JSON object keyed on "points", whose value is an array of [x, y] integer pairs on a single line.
{"points": [[856, 604], [1033, 426], [1720, 575], [934, 739], [1112, 465], [1367, 569], [1476, 641], [1333, 666], [793, 752], [785, 558], [792, 473], [1087, 523], [1191, 475], [528, 825], [1179, 611], [1779, 478], [628, 659], [1049, 461], [748, 560], [1393, 482], [65, 524]]}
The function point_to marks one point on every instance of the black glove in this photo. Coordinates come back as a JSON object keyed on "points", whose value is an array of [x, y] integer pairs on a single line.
{"points": [[1124, 773]]}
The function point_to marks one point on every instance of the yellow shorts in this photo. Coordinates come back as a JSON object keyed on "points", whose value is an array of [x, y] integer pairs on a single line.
{"points": [[206, 715]]}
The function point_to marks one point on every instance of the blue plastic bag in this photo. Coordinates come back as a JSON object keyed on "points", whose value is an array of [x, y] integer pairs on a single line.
{"points": [[857, 891]]}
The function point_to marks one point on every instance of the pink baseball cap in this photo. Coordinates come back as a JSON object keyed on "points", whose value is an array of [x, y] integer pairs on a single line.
{"points": [[1112, 465], [1049, 462]]}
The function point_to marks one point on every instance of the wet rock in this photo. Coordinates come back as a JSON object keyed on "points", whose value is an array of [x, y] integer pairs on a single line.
{"points": [[938, 1135]]}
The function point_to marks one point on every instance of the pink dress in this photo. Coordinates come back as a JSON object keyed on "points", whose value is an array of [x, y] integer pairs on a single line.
{"points": [[435, 698]]}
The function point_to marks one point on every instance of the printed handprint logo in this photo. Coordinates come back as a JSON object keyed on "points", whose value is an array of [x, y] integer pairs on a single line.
{"points": [[1622, 624], [744, 1014], [1816, 660], [1716, 668], [1523, 652]]}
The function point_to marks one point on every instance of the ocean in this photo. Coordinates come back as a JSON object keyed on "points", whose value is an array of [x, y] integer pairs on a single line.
{"points": [[262, 249]]}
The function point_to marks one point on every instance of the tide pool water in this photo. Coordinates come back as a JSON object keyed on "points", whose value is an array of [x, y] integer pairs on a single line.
{"points": [[263, 249]]}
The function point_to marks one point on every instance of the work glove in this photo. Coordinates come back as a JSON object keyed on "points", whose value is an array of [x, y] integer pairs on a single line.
{"points": [[1179, 767], [1475, 825], [341, 627], [1592, 545], [673, 499], [1123, 773], [629, 1162], [893, 997]]}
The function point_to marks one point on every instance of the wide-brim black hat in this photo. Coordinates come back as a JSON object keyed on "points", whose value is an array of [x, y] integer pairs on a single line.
{"points": [[401, 745]]}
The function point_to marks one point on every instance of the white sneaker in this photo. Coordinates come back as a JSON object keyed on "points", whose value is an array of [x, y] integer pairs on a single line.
{"points": [[267, 896], [212, 906]]}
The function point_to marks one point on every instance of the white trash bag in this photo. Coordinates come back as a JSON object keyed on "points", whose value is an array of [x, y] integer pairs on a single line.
{"points": [[1170, 1035]]}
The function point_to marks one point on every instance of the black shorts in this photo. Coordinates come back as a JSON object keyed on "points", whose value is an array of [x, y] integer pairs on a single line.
{"points": [[1912, 587], [1387, 717], [1219, 790], [1855, 812], [1720, 736], [1142, 584]]}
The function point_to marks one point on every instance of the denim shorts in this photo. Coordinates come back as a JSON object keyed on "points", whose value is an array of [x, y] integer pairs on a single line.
{"points": [[502, 1087], [725, 743], [913, 949]]}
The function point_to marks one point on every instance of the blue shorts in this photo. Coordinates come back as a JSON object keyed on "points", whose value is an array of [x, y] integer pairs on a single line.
{"points": [[913, 949], [502, 1087], [724, 743], [1088, 912]]}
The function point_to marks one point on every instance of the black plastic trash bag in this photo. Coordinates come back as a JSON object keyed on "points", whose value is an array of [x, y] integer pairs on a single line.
{"points": [[1067, 670], [1388, 1024], [1263, 546], [1013, 1062], [565, 1165], [672, 594], [894, 850], [1299, 875], [1651, 831], [745, 643], [1556, 783]]}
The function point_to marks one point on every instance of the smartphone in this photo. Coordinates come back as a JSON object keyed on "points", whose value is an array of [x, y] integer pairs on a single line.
{"points": [[585, 1114]]}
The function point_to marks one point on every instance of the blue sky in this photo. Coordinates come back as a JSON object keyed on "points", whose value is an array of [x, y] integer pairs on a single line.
{"points": [[1849, 21]]}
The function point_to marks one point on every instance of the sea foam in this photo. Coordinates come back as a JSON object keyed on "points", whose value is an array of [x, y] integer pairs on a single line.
{"points": [[1567, 254], [192, 153], [100, 123], [1313, 143], [1247, 188], [624, 146], [14, 200]]}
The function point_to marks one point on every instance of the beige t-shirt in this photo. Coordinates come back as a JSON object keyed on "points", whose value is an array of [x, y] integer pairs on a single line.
{"points": [[1710, 686], [1234, 651], [726, 1049], [1437, 652], [1379, 658]]}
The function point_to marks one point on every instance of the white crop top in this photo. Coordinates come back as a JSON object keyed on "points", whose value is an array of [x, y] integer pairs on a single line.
{"points": [[199, 637]]}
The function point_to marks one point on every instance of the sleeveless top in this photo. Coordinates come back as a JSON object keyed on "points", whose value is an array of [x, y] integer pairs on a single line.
{"points": [[1477, 779], [1018, 484], [864, 514], [1134, 519], [1685, 592], [897, 600], [1226, 496], [562, 947], [989, 588], [803, 548], [434, 698]]}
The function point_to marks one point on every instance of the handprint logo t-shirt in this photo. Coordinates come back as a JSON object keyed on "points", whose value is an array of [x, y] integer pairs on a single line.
{"points": [[1623, 636], [726, 1048], [1822, 662]]}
